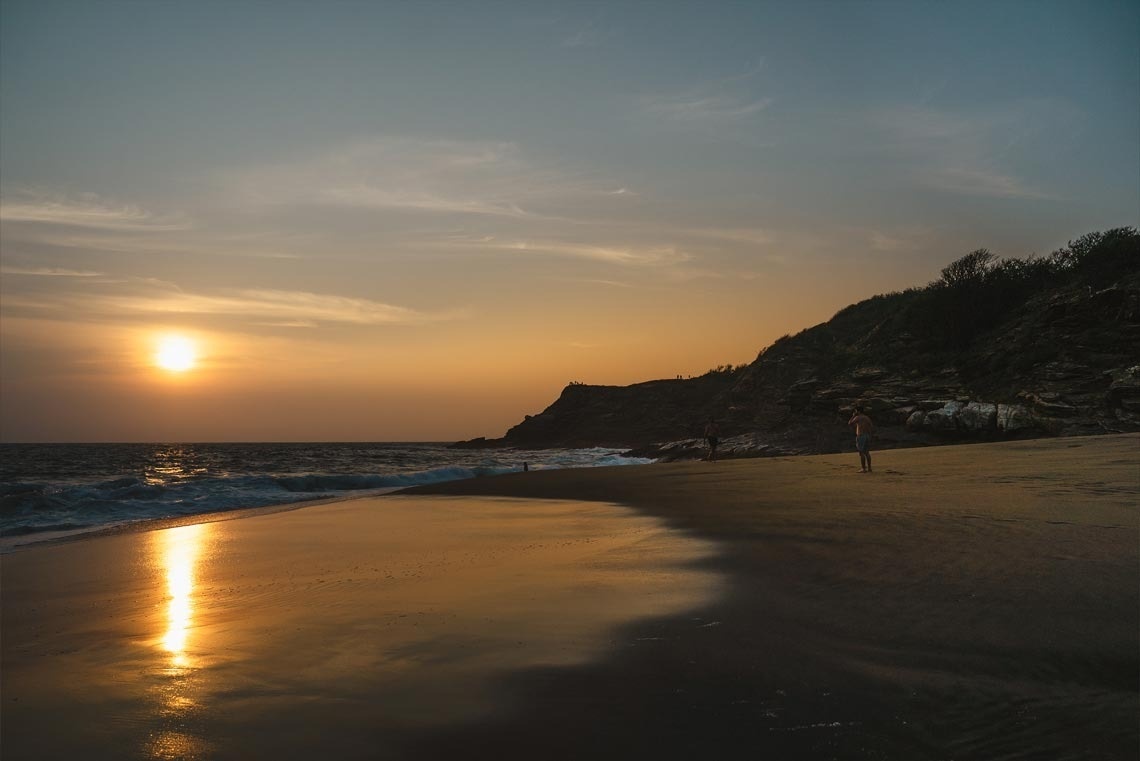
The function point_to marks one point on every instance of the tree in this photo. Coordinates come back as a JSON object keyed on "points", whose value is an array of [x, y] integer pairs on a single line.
{"points": [[971, 268]]}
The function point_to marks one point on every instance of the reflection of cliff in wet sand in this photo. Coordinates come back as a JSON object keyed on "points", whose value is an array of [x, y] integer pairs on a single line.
{"points": [[961, 602]]}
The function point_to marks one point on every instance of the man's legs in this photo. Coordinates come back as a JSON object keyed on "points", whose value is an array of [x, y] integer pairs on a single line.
{"points": [[863, 445]]}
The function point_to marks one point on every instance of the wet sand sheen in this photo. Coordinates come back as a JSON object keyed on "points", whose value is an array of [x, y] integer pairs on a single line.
{"points": [[376, 617]]}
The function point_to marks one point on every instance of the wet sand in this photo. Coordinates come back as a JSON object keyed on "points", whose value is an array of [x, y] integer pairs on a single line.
{"points": [[961, 602]]}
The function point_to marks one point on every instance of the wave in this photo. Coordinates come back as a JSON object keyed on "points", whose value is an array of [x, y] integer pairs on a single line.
{"points": [[28, 507]]}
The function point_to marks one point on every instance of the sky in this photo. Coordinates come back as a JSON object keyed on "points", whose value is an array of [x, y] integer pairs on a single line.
{"points": [[419, 221]]}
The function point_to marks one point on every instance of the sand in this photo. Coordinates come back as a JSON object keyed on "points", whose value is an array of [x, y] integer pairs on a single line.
{"points": [[961, 602]]}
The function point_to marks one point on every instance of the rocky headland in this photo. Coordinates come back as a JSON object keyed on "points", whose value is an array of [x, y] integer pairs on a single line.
{"points": [[994, 349]]}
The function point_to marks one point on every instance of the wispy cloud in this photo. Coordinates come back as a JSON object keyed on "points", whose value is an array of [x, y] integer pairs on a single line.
{"points": [[750, 235], [292, 306], [87, 210], [454, 177], [590, 34], [981, 181], [611, 254], [47, 272], [703, 108], [717, 101], [257, 306], [967, 153]]}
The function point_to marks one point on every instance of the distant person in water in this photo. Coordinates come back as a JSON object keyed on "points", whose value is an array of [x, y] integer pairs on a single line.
{"points": [[863, 427], [712, 434]]}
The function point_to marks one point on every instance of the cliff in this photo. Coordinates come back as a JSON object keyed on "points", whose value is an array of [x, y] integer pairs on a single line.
{"points": [[993, 349]]}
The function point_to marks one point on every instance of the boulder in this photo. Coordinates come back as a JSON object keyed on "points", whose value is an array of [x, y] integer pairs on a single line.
{"points": [[1124, 390], [943, 419], [900, 415], [978, 417], [916, 420], [1014, 417]]}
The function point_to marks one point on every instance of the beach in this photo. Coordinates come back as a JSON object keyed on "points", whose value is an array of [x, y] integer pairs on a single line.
{"points": [[977, 601]]}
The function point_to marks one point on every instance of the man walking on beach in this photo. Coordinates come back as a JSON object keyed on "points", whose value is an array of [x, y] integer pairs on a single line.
{"points": [[863, 427], [712, 434]]}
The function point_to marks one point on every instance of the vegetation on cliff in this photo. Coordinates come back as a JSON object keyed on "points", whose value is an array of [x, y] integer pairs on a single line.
{"points": [[1055, 339]]}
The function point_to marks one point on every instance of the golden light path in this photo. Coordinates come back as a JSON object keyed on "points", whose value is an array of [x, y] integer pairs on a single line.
{"points": [[182, 545], [177, 552]]}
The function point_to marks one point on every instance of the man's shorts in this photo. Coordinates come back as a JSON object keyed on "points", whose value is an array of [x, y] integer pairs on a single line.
{"points": [[863, 442]]}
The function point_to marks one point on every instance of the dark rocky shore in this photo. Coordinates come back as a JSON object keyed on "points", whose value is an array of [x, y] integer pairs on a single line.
{"points": [[995, 349]]}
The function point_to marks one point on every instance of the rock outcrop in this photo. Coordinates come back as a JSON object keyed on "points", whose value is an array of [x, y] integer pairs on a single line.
{"points": [[1052, 352]]}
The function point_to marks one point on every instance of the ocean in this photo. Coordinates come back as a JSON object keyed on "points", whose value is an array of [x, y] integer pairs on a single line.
{"points": [[52, 489]]}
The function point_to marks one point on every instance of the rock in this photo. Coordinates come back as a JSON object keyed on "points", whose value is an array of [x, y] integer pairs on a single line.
{"points": [[1124, 390], [900, 415], [1046, 405], [932, 404], [978, 417], [799, 394], [868, 373], [875, 405], [1014, 417], [943, 419], [480, 443], [916, 420]]}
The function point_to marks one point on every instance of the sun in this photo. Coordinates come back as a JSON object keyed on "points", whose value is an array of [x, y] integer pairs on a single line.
{"points": [[176, 354]]}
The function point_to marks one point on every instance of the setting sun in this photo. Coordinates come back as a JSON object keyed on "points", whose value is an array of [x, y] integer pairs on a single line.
{"points": [[176, 353]]}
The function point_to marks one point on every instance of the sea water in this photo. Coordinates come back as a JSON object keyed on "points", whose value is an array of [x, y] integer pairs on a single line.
{"points": [[52, 488]]}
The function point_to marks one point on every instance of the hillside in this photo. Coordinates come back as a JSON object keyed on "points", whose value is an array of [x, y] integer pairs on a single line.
{"points": [[993, 349]]}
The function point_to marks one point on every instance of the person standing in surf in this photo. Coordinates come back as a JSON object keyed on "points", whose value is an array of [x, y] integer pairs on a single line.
{"points": [[863, 427]]}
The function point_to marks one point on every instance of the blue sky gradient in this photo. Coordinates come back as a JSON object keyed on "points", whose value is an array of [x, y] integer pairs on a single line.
{"points": [[503, 197]]}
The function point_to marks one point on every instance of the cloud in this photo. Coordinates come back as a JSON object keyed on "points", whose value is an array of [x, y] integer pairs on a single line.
{"points": [[48, 272], [721, 100], [967, 153], [590, 35], [87, 211], [611, 254], [454, 177], [259, 306], [980, 181], [292, 306], [751, 235], [703, 108]]}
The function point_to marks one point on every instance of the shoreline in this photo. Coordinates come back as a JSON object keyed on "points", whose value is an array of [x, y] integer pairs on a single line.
{"points": [[973, 601], [14, 543], [143, 525]]}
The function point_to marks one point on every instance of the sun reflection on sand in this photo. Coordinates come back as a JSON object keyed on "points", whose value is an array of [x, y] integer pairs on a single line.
{"points": [[180, 551], [177, 553]]}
